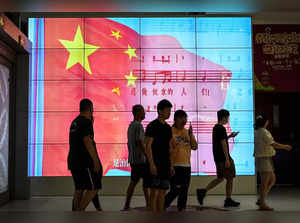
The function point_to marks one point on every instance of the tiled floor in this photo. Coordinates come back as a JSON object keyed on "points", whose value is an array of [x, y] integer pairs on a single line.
{"points": [[286, 202]]}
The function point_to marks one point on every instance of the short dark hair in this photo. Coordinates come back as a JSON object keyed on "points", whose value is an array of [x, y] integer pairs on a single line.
{"points": [[223, 113], [136, 108], [179, 114], [85, 105], [163, 104], [260, 121]]}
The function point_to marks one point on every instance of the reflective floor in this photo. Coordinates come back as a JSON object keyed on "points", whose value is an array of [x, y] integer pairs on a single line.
{"points": [[285, 201]]}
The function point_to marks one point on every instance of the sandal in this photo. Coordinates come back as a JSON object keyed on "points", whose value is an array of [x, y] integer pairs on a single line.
{"points": [[265, 208]]}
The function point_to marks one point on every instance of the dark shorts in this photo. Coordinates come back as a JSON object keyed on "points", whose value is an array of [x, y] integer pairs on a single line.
{"points": [[162, 179], [160, 183], [223, 172], [139, 171], [87, 179]]}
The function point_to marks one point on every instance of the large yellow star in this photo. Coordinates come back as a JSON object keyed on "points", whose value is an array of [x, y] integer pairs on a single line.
{"points": [[131, 79], [79, 51], [116, 34], [131, 52]]}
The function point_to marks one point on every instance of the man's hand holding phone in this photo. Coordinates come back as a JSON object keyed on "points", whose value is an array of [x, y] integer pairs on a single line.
{"points": [[233, 134]]}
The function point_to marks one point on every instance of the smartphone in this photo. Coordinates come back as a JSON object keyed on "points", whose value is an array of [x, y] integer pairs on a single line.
{"points": [[234, 134]]}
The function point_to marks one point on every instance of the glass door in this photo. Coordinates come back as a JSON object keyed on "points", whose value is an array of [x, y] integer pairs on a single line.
{"points": [[4, 130]]}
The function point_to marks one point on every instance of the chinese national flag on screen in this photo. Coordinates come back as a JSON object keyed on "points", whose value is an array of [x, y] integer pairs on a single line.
{"points": [[99, 59]]}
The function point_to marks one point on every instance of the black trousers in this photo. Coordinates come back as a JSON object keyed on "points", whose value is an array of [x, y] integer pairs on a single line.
{"points": [[180, 183]]}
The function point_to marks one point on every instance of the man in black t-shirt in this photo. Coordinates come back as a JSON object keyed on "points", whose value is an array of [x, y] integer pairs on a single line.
{"points": [[158, 137], [83, 160], [223, 161]]}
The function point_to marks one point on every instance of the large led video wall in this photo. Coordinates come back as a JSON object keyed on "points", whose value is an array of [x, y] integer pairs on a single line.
{"points": [[200, 64]]}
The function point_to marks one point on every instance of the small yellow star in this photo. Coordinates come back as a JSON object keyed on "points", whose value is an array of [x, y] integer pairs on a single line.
{"points": [[131, 79], [117, 91], [116, 34], [22, 41], [131, 52]]}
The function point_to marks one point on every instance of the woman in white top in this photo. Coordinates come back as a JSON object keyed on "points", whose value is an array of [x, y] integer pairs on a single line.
{"points": [[264, 150]]}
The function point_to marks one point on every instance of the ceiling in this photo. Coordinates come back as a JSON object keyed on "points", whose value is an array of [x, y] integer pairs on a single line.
{"points": [[206, 6]]}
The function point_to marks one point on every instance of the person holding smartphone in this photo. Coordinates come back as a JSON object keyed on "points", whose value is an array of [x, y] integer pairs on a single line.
{"points": [[224, 163], [182, 143]]}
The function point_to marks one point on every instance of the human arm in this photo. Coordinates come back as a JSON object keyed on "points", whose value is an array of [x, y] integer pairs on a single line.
{"points": [[89, 145], [172, 155], [194, 144], [282, 146], [140, 139], [149, 141], [268, 138], [193, 141], [225, 150], [233, 134]]}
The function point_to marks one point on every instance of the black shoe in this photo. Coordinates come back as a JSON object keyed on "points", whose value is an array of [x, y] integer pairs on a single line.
{"points": [[231, 203], [258, 203], [200, 195]]}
